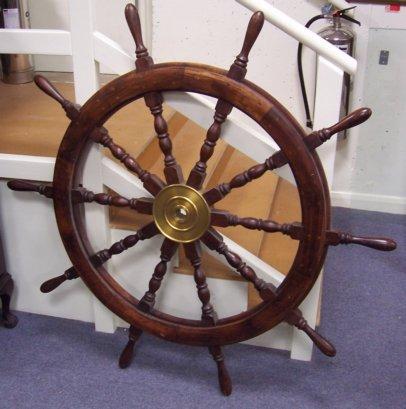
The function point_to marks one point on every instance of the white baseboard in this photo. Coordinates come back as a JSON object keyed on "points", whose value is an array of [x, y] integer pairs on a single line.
{"points": [[365, 201]]}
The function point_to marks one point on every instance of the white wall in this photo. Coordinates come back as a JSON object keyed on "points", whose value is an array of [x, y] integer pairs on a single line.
{"points": [[34, 253], [211, 32], [384, 136], [369, 171], [54, 14]]}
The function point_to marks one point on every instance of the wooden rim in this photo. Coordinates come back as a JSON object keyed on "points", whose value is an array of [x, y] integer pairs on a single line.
{"points": [[275, 120]]}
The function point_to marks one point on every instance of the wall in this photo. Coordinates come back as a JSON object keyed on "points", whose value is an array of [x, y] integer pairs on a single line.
{"points": [[54, 14], [369, 171], [31, 260], [211, 32], [385, 93]]}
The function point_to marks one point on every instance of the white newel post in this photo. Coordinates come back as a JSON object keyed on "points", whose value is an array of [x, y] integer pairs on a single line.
{"points": [[329, 85], [86, 78]]}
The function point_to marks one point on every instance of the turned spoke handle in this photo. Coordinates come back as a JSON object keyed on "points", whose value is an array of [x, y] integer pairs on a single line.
{"points": [[128, 352], [134, 24], [254, 28], [49, 89], [52, 284], [296, 318], [378, 243], [71, 109], [315, 139], [22, 186], [355, 118], [321, 343], [55, 282]]}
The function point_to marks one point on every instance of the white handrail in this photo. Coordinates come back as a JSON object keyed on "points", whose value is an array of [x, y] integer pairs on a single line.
{"points": [[302, 34], [35, 41]]}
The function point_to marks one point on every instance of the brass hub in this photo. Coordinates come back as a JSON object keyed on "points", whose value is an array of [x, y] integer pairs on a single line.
{"points": [[181, 213]]}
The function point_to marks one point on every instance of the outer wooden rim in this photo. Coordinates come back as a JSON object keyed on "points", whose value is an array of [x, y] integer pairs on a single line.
{"points": [[286, 132]]}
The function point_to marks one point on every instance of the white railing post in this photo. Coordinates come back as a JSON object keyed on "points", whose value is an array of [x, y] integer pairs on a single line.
{"points": [[145, 13], [329, 85], [86, 78]]}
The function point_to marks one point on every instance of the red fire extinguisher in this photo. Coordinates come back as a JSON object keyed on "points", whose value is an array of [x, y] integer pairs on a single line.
{"points": [[343, 38]]}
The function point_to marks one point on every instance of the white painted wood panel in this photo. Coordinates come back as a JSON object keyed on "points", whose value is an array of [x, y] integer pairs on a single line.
{"points": [[26, 41], [34, 253]]}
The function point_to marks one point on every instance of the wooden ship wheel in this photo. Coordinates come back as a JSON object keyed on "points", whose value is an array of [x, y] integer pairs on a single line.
{"points": [[183, 212]]}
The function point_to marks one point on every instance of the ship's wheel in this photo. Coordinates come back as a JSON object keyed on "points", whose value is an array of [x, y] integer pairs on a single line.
{"points": [[183, 213]]}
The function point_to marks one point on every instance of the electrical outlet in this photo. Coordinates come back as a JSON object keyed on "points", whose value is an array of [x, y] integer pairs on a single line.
{"points": [[384, 57]]}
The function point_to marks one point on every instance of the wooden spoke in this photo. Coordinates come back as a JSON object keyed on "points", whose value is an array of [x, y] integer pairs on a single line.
{"points": [[223, 376], [278, 159], [172, 170], [102, 256], [142, 205], [194, 254], [237, 72], [217, 193], [100, 135], [24, 186], [152, 183], [168, 249], [127, 355], [82, 195], [267, 291], [214, 241], [209, 316], [146, 232], [153, 100], [222, 218]]}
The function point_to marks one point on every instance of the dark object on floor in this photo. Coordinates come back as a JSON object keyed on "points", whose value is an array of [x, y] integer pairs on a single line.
{"points": [[7, 319]]}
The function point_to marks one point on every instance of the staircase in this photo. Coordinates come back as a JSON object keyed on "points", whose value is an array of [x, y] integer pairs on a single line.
{"points": [[269, 197]]}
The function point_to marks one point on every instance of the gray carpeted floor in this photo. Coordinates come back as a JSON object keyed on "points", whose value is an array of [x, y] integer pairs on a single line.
{"points": [[55, 363]]}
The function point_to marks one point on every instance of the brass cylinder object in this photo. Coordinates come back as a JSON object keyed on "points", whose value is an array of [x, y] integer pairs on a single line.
{"points": [[181, 213]]}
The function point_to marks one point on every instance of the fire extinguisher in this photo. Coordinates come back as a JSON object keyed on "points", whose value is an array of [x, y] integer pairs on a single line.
{"points": [[339, 35]]}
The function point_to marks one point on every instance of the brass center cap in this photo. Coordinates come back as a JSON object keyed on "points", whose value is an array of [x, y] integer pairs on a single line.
{"points": [[181, 213]]}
